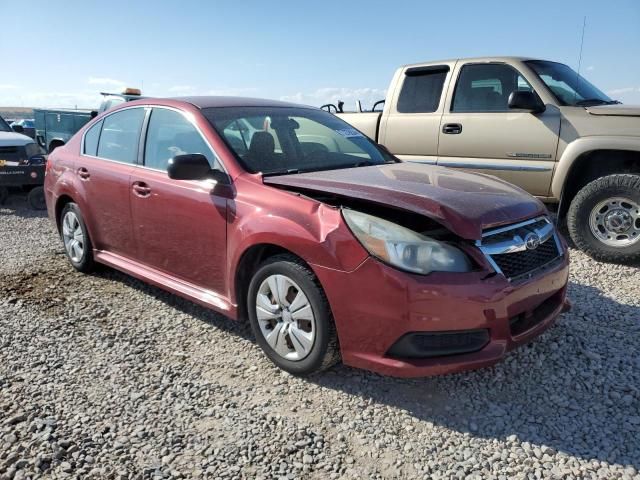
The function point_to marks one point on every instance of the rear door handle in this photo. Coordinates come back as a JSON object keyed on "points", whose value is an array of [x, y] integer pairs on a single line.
{"points": [[83, 173], [452, 128], [141, 189]]}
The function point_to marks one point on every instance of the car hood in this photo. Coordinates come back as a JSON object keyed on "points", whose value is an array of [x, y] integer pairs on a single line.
{"points": [[617, 109], [465, 203], [12, 139]]}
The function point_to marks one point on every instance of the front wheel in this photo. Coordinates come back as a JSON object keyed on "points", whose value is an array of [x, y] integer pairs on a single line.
{"points": [[291, 318], [604, 218]]}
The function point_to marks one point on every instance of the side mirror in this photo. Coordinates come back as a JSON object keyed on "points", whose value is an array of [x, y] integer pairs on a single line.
{"points": [[195, 166], [18, 128], [526, 100]]}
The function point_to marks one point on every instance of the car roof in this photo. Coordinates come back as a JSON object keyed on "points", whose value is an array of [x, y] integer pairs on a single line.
{"points": [[220, 101]]}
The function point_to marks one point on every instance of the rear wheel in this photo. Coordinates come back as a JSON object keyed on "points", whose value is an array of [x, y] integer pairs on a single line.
{"points": [[75, 238], [36, 199], [291, 318], [604, 218]]}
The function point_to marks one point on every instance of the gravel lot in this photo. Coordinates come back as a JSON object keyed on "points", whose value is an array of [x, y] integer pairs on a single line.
{"points": [[104, 377]]}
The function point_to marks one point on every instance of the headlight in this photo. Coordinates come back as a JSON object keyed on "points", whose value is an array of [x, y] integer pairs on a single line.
{"points": [[404, 248]]}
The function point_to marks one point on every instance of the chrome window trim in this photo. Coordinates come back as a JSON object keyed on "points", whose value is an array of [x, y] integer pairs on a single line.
{"points": [[148, 107], [517, 243]]}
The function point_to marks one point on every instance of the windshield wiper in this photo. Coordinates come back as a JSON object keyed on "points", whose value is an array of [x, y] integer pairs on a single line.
{"points": [[289, 171]]}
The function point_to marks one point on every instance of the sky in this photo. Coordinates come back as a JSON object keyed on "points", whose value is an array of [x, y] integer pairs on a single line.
{"points": [[59, 53]]}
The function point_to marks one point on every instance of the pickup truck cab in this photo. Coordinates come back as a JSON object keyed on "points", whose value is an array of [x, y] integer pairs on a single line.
{"points": [[535, 123]]}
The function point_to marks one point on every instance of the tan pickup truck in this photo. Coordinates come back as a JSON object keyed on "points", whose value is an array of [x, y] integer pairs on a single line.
{"points": [[535, 123]]}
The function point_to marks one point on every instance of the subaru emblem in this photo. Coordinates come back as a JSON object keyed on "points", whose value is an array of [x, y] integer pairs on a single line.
{"points": [[532, 241]]}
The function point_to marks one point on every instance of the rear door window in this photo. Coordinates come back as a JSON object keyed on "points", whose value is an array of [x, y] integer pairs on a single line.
{"points": [[120, 135], [422, 89]]}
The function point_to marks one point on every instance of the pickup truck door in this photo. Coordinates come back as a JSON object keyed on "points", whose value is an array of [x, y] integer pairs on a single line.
{"points": [[478, 132], [411, 119]]}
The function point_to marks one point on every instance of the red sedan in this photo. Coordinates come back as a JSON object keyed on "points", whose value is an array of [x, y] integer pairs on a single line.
{"points": [[330, 246]]}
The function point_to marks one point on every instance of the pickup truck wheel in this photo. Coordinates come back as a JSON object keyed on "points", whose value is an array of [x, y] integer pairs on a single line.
{"points": [[604, 218], [36, 199], [75, 237], [291, 318]]}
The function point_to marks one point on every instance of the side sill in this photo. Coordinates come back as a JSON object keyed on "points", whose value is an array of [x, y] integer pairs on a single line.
{"points": [[201, 296]]}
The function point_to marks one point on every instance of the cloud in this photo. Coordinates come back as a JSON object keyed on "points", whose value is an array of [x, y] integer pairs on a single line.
{"points": [[368, 96], [8, 86], [83, 99], [618, 91], [107, 82]]}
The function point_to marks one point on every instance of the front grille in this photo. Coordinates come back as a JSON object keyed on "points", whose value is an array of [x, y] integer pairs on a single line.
{"points": [[516, 264], [510, 252]]}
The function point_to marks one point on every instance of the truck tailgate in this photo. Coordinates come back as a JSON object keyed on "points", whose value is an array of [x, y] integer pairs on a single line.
{"points": [[366, 122]]}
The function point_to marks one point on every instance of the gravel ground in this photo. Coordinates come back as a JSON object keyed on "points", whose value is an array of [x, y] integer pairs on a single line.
{"points": [[104, 377]]}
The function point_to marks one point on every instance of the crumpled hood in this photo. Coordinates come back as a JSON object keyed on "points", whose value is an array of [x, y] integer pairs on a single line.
{"points": [[617, 110], [465, 203]]}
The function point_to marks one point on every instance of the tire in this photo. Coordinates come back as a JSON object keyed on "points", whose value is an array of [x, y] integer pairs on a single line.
{"points": [[72, 229], [295, 329], [36, 199], [4, 194], [590, 222]]}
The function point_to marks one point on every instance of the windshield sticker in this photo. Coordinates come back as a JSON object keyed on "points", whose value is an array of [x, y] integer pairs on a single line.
{"points": [[349, 133]]}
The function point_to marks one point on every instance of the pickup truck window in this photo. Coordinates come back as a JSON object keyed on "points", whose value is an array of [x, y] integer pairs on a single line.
{"points": [[292, 140], [91, 140], [568, 87], [120, 135], [486, 88], [4, 126], [421, 90]]}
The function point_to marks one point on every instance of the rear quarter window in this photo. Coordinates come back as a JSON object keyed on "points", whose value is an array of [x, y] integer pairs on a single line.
{"points": [[422, 89], [91, 140]]}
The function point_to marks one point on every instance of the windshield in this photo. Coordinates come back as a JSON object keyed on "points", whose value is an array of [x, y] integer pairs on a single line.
{"points": [[4, 126], [568, 87], [280, 140]]}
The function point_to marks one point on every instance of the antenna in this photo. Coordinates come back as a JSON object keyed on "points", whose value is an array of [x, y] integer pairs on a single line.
{"points": [[584, 25]]}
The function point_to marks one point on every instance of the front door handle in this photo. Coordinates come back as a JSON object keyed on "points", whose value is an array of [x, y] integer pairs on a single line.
{"points": [[452, 128], [83, 173], [141, 189]]}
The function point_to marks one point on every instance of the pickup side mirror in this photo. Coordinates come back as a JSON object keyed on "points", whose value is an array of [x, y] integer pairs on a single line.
{"points": [[195, 166], [18, 128], [526, 100]]}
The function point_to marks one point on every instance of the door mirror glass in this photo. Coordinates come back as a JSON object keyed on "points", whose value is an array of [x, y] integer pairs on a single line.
{"points": [[18, 128], [526, 100]]}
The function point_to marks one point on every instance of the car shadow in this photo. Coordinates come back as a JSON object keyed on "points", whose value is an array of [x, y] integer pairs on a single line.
{"points": [[569, 390]]}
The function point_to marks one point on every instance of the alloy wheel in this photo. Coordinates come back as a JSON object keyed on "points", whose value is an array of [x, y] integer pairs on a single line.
{"points": [[73, 236]]}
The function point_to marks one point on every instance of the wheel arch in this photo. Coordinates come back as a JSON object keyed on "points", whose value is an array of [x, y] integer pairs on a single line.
{"points": [[62, 200], [591, 159], [249, 261]]}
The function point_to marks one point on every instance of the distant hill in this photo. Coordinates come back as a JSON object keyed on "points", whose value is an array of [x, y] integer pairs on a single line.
{"points": [[16, 112]]}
